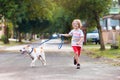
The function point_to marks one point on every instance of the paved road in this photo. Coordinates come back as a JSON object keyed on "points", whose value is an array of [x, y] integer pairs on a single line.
{"points": [[14, 66]]}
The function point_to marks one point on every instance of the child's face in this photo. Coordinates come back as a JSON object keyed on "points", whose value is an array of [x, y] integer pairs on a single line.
{"points": [[75, 25]]}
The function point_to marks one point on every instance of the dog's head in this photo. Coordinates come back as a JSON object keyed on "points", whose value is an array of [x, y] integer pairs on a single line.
{"points": [[25, 49]]}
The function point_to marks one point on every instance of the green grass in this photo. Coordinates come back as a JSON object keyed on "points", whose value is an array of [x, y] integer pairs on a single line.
{"points": [[12, 43], [112, 54], [95, 52], [109, 55]]}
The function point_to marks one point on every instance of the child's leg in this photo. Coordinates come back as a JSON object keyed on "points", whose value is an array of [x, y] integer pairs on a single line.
{"points": [[76, 58], [76, 53], [79, 51]]}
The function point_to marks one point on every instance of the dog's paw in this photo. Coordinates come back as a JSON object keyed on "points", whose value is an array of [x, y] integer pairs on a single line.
{"points": [[32, 65], [44, 64]]}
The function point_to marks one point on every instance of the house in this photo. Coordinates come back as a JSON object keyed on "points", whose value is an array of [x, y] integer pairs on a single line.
{"points": [[111, 23]]}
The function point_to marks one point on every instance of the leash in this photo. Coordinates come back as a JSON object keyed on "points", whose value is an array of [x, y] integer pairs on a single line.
{"points": [[31, 51], [46, 40], [62, 41], [60, 44]]}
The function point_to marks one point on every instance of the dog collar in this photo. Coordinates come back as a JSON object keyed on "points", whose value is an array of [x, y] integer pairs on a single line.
{"points": [[31, 51]]}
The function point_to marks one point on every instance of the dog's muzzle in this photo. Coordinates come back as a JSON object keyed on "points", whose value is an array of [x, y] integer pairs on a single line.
{"points": [[22, 52]]}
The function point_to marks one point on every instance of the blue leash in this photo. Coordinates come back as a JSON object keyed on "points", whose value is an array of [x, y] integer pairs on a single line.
{"points": [[46, 41], [62, 41], [60, 44]]}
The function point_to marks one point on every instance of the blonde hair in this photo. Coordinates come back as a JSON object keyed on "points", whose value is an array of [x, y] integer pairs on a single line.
{"points": [[78, 22]]}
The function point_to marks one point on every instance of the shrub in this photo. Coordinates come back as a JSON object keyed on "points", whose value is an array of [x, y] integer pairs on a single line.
{"points": [[4, 39], [119, 41]]}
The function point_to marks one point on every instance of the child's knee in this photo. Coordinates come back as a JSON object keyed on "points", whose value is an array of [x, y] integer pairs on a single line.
{"points": [[76, 54]]}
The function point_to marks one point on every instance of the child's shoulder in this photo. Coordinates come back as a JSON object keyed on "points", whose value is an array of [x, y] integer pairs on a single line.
{"points": [[72, 30], [80, 29]]}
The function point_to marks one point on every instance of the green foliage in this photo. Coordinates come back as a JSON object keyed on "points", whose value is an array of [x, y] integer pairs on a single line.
{"points": [[93, 10], [90, 8], [36, 16], [8, 8], [40, 9], [10, 28], [69, 5], [4, 39], [0, 28], [61, 23], [119, 41], [33, 26]]}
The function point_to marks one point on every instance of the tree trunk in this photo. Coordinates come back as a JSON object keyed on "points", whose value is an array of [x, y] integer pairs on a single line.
{"points": [[19, 37], [102, 46], [6, 34], [31, 36]]}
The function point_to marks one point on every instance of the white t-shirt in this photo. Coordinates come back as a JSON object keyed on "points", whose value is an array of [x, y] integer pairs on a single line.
{"points": [[76, 35]]}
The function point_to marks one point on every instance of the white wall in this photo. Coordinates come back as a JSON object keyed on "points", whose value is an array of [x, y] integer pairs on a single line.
{"points": [[109, 23]]}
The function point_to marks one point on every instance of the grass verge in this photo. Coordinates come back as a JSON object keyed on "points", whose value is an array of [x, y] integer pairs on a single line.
{"points": [[109, 53], [112, 55], [13, 43]]}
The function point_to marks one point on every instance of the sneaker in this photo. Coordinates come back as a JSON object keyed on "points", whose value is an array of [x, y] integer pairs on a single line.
{"points": [[78, 66], [75, 62]]}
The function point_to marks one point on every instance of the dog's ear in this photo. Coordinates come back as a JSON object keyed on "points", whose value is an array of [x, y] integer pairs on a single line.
{"points": [[34, 50], [28, 45], [41, 47]]}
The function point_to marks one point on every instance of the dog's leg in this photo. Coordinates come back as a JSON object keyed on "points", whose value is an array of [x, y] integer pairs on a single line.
{"points": [[33, 62], [43, 58], [31, 57], [40, 58]]}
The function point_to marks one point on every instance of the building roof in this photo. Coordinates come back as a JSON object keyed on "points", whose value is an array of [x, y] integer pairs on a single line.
{"points": [[117, 16], [113, 16]]}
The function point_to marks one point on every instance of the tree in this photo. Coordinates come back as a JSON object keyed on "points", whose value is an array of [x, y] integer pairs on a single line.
{"points": [[61, 20], [88, 10], [7, 10], [38, 16], [92, 11], [12, 10], [64, 13], [41, 9]]}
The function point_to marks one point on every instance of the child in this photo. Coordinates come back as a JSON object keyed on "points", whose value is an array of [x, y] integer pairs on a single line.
{"points": [[77, 40]]}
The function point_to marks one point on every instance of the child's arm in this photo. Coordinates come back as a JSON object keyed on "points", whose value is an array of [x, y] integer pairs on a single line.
{"points": [[67, 35], [80, 41]]}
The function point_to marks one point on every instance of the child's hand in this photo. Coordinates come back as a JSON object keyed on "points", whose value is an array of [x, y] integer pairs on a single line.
{"points": [[78, 43], [66, 35], [60, 35]]}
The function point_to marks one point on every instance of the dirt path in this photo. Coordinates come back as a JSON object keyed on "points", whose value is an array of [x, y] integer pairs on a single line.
{"points": [[14, 66], [59, 67]]}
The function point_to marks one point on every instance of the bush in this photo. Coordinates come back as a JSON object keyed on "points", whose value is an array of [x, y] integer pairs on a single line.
{"points": [[4, 39], [119, 41], [114, 46]]}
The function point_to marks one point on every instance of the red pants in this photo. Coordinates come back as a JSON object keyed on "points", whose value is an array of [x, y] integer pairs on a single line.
{"points": [[77, 50]]}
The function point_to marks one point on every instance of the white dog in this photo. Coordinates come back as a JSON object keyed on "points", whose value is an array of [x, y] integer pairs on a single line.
{"points": [[35, 54]]}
